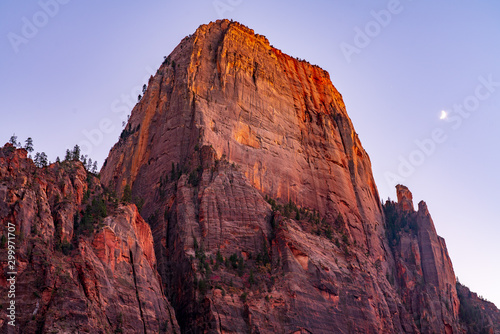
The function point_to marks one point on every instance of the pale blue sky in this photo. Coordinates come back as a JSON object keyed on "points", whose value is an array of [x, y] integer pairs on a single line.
{"points": [[81, 64]]}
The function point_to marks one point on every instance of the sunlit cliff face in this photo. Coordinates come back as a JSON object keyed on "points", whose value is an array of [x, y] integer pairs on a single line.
{"points": [[279, 119]]}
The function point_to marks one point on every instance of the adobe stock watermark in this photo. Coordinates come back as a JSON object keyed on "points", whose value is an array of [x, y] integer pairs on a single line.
{"points": [[11, 274], [31, 26], [373, 28], [428, 146], [223, 6], [120, 108]]}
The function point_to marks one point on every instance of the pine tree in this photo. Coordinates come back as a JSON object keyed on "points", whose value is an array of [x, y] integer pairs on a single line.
{"points": [[75, 155], [94, 167], [29, 145], [127, 194], [41, 160], [67, 157], [13, 141], [36, 160], [44, 159]]}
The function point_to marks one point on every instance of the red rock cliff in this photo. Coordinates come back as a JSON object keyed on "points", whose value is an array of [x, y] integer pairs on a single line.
{"points": [[280, 120], [423, 266], [75, 278]]}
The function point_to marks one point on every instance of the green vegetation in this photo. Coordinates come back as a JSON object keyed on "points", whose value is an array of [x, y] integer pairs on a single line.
{"points": [[75, 154], [29, 145], [176, 172], [65, 247], [320, 225], [139, 203], [128, 198], [219, 260], [263, 256], [41, 160], [13, 141], [119, 326], [203, 284], [397, 221], [128, 130], [288, 210], [127, 194], [195, 176], [251, 278], [67, 157], [83, 222], [236, 262]]}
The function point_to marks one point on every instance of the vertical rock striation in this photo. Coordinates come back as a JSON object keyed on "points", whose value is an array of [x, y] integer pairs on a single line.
{"points": [[424, 268]]}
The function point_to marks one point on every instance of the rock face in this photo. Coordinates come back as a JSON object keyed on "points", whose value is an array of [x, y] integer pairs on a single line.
{"points": [[280, 120], [71, 279], [264, 212], [405, 198], [423, 266]]}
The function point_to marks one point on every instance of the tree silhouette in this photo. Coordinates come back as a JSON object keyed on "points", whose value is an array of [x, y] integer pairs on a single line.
{"points": [[29, 145], [13, 141], [88, 166], [75, 154], [41, 160], [67, 157]]}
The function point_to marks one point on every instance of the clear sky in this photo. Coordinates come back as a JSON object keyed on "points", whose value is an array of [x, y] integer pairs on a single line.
{"points": [[70, 71]]}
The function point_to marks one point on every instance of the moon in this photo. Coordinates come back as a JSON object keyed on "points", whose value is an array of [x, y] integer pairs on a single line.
{"points": [[444, 114]]}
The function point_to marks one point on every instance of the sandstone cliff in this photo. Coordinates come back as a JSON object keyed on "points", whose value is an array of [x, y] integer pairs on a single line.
{"points": [[227, 88], [423, 267], [264, 212], [78, 268]]}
